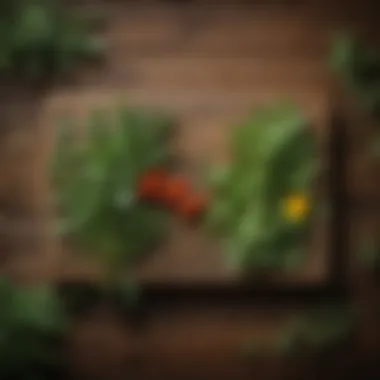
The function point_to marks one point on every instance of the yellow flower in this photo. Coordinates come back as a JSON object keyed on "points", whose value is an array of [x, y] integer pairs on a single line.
{"points": [[296, 207]]}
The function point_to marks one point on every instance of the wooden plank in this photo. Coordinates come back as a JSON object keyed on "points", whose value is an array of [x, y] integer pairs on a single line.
{"points": [[186, 344], [210, 32], [190, 256], [227, 74], [190, 344]]}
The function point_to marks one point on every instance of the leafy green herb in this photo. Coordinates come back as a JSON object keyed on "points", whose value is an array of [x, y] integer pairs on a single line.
{"points": [[42, 37], [273, 163], [32, 322], [95, 183], [359, 66], [316, 330]]}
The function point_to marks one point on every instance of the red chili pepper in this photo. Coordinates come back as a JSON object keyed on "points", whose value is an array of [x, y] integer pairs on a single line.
{"points": [[176, 188], [192, 206], [151, 184]]}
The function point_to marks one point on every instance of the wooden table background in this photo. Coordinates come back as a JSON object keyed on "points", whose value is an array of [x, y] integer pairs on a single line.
{"points": [[209, 63]]}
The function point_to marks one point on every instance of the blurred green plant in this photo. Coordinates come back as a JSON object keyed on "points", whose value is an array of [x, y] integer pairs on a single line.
{"points": [[262, 198], [95, 183], [32, 324], [369, 254], [316, 330], [359, 66], [39, 38]]}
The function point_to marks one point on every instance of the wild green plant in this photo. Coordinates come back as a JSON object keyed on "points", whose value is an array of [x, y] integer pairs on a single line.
{"points": [[359, 66], [95, 184], [32, 324], [39, 38], [316, 330], [262, 198]]}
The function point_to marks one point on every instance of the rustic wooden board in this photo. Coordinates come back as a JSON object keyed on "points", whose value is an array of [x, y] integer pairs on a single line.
{"points": [[190, 257], [172, 343], [210, 66], [195, 343]]}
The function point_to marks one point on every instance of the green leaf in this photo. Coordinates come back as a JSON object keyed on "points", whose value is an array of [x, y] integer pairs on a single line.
{"points": [[326, 325], [43, 38], [34, 27], [37, 308], [343, 54], [31, 317], [273, 156], [97, 198], [359, 66]]}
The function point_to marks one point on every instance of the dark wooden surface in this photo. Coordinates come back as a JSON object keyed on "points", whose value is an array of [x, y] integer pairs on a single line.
{"points": [[209, 63]]}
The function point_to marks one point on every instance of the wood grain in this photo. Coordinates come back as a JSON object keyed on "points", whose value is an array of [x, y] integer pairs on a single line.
{"points": [[190, 256], [289, 39]]}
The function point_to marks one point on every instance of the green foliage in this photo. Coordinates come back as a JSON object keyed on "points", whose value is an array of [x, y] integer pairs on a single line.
{"points": [[316, 330], [95, 183], [370, 254], [309, 333], [359, 66], [42, 37], [273, 156], [32, 322]]}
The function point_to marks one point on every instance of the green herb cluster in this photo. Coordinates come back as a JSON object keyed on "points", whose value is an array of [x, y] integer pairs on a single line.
{"points": [[273, 155], [42, 37], [95, 182], [32, 323], [359, 66], [317, 330]]}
